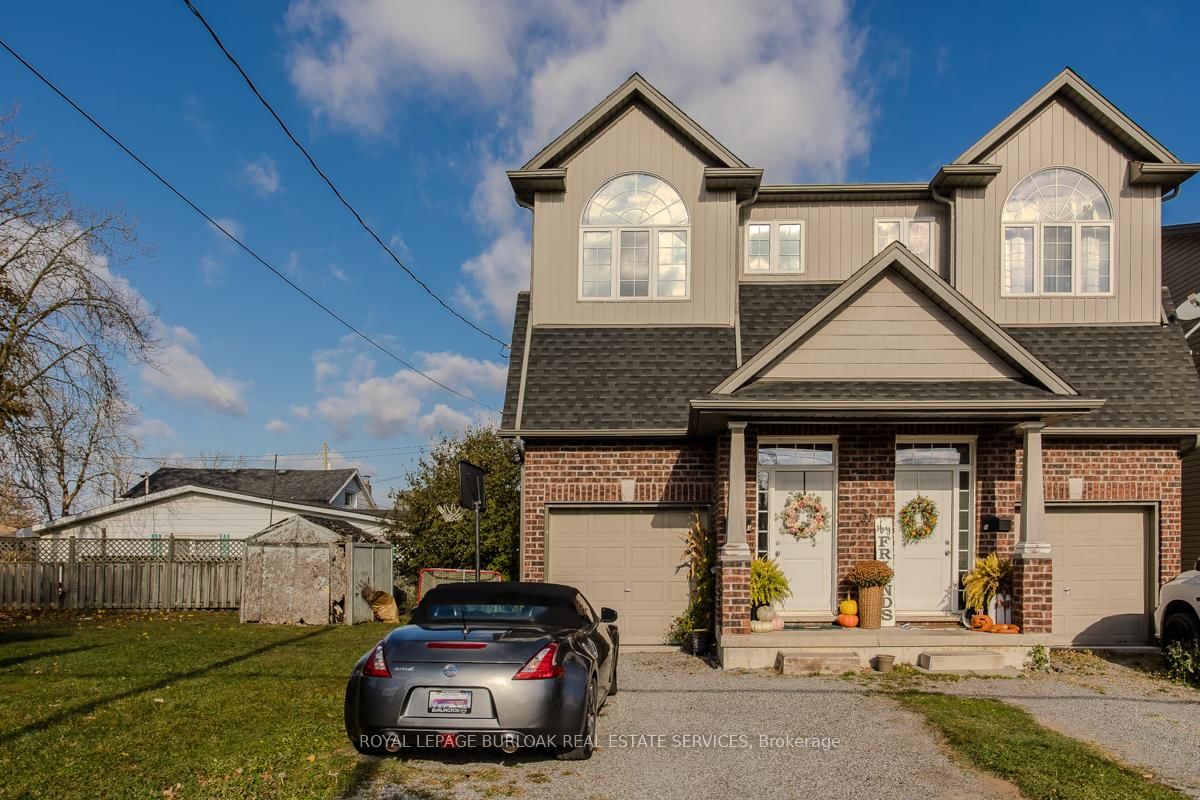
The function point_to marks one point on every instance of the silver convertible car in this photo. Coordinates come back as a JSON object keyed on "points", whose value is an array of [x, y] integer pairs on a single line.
{"points": [[504, 665]]}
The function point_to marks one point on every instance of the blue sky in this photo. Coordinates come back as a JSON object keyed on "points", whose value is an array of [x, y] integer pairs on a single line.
{"points": [[415, 110]]}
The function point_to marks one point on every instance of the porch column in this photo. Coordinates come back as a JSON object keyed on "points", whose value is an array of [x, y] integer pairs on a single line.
{"points": [[1033, 567], [733, 580], [736, 548]]}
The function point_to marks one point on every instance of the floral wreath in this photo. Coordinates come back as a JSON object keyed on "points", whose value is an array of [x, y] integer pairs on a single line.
{"points": [[804, 516], [918, 518]]}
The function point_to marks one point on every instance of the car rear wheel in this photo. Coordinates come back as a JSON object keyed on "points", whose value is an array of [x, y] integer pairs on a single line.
{"points": [[1180, 626], [587, 729]]}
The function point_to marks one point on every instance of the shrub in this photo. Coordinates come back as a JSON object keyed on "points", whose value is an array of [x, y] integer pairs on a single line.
{"points": [[869, 573], [1039, 659], [768, 584], [991, 575], [1183, 663]]}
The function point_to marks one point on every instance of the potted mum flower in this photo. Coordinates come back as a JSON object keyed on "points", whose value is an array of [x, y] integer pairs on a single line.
{"points": [[869, 577]]}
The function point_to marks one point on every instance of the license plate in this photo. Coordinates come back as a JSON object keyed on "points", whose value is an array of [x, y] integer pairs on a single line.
{"points": [[449, 702]]}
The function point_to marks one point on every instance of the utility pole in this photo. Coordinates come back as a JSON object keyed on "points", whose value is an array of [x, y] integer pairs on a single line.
{"points": [[325, 455], [274, 481]]}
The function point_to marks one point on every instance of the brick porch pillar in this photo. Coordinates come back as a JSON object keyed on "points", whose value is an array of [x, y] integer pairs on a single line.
{"points": [[733, 572], [1033, 566]]}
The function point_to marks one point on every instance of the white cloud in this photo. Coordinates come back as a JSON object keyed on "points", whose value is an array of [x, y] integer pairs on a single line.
{"points": [[152, 429], [213, 269], [300, 412], [338, 273], [262, 175], [184, 377], [352, 394], [778, 82], [348, 58], [228, 223], [277, 426]]}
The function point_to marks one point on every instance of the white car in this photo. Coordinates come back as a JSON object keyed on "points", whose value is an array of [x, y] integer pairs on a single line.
{"points": [[1177, 618]]}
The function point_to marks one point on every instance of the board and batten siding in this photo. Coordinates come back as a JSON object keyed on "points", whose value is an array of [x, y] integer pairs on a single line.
{"points": [[188, 515], [839, 236], [633, 142], [1059, 136], [892, 331]]}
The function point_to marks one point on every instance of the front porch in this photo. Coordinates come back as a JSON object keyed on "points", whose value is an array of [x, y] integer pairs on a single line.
{"points": [[845, 648]]}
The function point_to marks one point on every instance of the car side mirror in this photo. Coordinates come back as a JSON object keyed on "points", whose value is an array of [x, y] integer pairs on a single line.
{"points": [[608, 615]]}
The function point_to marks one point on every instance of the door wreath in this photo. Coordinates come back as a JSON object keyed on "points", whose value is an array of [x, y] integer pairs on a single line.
{"points": [[918, 518], [804, 516]]}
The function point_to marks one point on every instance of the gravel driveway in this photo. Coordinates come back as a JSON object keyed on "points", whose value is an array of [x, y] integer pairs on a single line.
{"points": [[869, 747], [1147, 723]]}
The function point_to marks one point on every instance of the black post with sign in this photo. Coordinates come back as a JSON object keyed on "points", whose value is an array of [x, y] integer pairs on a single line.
{"points": [[470, 495]]}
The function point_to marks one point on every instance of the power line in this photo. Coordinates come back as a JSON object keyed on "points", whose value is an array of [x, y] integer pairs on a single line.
{"points": [[328, 181], [211, 221], [374, 454]]}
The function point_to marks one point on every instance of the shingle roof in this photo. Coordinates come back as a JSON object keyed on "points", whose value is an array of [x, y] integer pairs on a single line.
{"points": [[516, 355], [1143, 372], [890, 390], [295, 485], [627, 378], [341, 528], [768, 309], [591, 378]]}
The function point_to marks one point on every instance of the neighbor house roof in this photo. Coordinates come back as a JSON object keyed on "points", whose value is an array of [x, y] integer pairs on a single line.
{"points": [[299, 485], [372, 516], [1181, 268]]}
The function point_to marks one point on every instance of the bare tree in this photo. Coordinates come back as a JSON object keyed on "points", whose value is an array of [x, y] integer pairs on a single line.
{"points": [[67, 321], [205, 459]]}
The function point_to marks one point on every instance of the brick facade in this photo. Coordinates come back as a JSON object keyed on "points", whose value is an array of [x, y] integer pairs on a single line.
{"points": [[1146, 470], [574, 473], [1033, 594]]}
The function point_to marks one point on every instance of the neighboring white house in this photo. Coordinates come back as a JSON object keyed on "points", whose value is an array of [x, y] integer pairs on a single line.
{"points": [[221, 504]]}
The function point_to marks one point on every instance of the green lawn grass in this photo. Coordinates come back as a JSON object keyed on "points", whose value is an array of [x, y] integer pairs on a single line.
{"points": [[1044, 765], [106, 705]]}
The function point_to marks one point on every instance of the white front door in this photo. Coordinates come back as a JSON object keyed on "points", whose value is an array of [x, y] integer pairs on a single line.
{"points": [[924, 582], [807, 563]]}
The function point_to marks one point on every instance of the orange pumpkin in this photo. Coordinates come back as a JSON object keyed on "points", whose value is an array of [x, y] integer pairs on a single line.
{"points": [[1004, 629], [981, 622], [847, 620]]}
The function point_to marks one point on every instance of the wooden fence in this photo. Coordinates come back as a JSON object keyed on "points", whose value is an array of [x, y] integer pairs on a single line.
{"points": [[166, 573]]}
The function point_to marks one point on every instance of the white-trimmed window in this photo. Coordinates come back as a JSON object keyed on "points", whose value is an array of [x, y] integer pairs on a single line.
{"points": [[775, 248], [634, 241], [915, 233], [1056, 236]]}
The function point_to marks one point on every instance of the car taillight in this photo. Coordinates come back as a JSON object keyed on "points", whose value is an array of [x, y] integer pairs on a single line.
{"points": [[376, 666], [541, 666]]}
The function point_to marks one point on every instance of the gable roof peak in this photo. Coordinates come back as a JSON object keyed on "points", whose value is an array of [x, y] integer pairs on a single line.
{"points": [[1083, 95], [898, 258], [635, 88]]}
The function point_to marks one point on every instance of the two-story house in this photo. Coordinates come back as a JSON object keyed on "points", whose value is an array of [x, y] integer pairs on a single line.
{"points": [[993, 342]]}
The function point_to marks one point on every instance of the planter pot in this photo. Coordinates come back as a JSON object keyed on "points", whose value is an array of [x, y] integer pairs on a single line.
{"points": [[870, 607], [884, 663], [699, 642]]}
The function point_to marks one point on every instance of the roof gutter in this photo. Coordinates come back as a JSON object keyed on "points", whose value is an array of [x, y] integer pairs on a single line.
{"points": [[949, 203]]}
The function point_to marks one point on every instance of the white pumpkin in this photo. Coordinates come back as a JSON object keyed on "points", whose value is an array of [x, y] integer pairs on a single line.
{"points": [[765, 613], [760, 626]]}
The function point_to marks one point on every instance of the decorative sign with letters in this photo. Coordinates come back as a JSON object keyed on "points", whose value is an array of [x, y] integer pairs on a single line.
{"points": [[885, 541]]}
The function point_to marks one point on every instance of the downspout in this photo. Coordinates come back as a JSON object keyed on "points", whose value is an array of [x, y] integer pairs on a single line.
{"points": [[949, 203], [1171, 194], [737, 270]]}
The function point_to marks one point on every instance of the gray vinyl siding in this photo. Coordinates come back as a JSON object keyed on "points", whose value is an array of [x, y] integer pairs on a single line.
{"points": [[635, 141], [839, 237], [1061, 136], [1191, 510], [891, 331]]}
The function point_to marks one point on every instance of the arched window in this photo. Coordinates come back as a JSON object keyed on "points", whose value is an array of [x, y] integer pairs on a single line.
{"points": [[1057, 235], [638, 224]]}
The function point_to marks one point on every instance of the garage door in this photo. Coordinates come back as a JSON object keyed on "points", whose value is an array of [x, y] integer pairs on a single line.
{"points": [[626, 560], [1099, 574]]}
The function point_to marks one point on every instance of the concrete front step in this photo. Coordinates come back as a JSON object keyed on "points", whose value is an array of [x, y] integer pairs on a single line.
{"points": [[801, 662], [961, 660]]}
